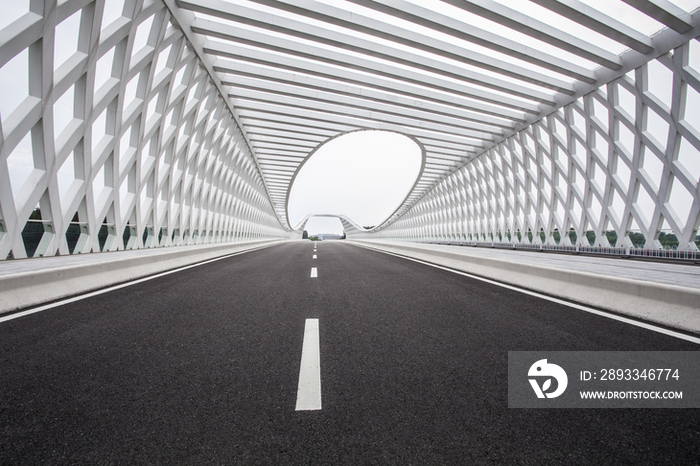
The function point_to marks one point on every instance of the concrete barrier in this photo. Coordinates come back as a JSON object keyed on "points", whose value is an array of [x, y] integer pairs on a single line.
{"points": [[669, 305], [31, 288]]}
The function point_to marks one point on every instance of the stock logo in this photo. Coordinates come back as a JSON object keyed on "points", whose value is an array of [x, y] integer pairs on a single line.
{"points": [[545, 372]]}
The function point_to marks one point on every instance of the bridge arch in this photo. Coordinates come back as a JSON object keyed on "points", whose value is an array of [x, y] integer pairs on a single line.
{"points": [[150, 123]]}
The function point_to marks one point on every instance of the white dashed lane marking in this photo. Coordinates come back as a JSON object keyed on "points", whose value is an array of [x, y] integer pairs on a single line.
{"points": [[309, 390], [314, 272]]}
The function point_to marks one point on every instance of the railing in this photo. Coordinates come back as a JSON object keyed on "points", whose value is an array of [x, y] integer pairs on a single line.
{"points": [[616, 251], [671, 254], [666, 254]]}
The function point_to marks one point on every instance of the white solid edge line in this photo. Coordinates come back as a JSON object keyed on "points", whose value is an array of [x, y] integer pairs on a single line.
{"points": [[90, 294], [580, 307], [314, 272], [309, 388]]}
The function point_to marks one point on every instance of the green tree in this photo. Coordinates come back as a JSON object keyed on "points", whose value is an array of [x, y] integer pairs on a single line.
{"points": [[638, 239], [556, 236], [612, 237], [590, 236], [668, 240]]}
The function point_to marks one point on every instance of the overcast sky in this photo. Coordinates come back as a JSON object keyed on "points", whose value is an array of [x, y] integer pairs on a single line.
{"points": [[363, 175]]}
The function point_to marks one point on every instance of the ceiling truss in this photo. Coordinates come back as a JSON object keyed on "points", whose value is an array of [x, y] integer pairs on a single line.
{"points": [[299, 73]]}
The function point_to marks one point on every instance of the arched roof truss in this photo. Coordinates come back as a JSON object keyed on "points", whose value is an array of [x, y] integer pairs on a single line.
{"points": [[458, 76]]}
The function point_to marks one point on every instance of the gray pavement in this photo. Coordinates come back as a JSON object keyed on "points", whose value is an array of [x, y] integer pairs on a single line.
{"points": [[201, 367]]}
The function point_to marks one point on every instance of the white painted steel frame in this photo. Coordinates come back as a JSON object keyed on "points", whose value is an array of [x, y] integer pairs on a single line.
{"points": [[170, 165], [633, 165], [323, 68], [226, 101]]}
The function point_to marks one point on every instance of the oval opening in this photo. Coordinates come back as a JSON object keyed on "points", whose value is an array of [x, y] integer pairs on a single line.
{"points": [[364, 175]]}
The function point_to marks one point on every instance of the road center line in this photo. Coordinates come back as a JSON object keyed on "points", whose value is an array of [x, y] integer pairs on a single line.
{"points": [[314, 272], [309, 390], [314, 256]]}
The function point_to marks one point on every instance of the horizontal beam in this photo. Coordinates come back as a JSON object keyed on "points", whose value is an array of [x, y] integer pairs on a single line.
{"points": [[532, 27], [372, 61], [664, 12], [600, 23], [388, 33]]}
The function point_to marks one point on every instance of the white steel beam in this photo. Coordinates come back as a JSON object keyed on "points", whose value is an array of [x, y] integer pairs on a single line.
{"points": [[181, 116], [369, 26], [423, 87], [531, 26], [406, 66], [664, 12], [600, 23], [482, 37]]}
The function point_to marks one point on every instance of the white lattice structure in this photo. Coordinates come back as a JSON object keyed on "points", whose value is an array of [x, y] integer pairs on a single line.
{"points": [[624, 158], [142, 123], [149, 153]]}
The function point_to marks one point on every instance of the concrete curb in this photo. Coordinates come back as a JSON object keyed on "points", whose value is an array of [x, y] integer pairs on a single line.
{"points": [[669, 305], [26, 289]]}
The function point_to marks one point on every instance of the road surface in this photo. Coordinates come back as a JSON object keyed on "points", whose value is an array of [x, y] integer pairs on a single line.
{"points": [[202, 366]]}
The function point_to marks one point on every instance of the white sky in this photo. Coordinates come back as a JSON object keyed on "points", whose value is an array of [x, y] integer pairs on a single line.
{"points": [[319, 225], [364, 175]]}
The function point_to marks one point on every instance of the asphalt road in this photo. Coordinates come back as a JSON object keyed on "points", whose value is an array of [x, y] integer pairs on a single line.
{"points": [[201, 367]]}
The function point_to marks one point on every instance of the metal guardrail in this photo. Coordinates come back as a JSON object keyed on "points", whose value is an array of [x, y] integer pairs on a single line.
{"points": [[667, 254]]}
